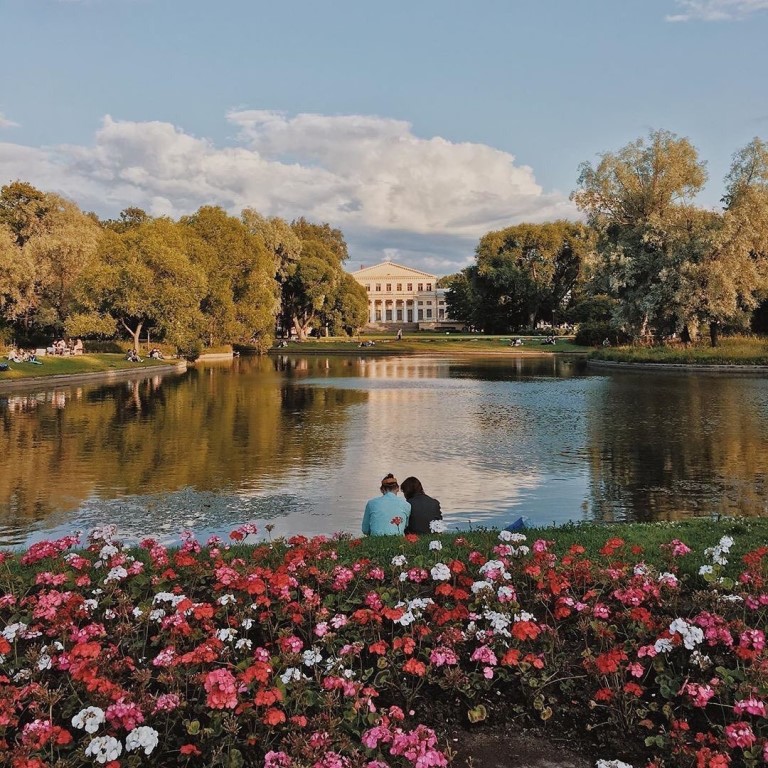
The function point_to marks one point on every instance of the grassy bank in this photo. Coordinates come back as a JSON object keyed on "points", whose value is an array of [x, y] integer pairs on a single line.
{"points": [[733, 350], [435, 344], [63, 366], [644, 643]]}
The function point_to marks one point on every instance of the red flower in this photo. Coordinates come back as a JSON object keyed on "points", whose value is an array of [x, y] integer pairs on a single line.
{"points": [[274, 716], [415, 667], [190, 749]]}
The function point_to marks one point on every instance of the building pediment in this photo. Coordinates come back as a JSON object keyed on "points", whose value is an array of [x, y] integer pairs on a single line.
{"points": [[388, 269]]}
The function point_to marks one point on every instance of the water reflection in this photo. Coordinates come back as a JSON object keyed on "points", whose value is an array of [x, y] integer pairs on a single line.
{"points": [[303, 441], [669, 446]]}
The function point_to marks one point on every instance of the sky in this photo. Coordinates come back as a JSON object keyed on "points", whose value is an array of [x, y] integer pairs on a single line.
{"points": [[415, 126]]}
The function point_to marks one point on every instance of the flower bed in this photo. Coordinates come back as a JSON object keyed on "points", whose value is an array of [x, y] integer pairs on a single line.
{"points": [[311, 653]]}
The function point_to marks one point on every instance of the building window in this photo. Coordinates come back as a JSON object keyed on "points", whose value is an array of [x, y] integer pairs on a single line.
{"points": [[378, 286], [429, 303], [400, 314], [429, 314], [429, 286], [421, 303], [441, 314], [389, 315], [368, 287], [421, 287], [378, 315], [389, 287], [399, 286], [441, 303], [410, 287], [421, 314]]}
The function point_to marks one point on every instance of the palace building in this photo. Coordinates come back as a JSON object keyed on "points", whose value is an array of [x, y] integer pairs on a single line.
{"points": [[399, 295]]}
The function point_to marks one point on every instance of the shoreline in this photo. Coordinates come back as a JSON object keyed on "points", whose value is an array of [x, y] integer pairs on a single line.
{"points": [[42, 382], [756, 370]]}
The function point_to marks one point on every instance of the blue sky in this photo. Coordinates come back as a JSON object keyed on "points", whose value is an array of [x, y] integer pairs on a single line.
{"points": [[415, 126]]}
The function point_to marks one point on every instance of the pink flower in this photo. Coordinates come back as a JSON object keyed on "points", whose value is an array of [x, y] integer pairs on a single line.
{"points": [[752, 705], [277, 760], [124, 714], [484, 654], [739, 735], [221, 687]]}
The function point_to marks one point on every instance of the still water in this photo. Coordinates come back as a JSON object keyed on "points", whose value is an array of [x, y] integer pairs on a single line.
{"points": [[302, 442]]}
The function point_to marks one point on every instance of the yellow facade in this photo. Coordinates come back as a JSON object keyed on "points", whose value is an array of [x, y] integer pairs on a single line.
{"points": [[399, 295]]}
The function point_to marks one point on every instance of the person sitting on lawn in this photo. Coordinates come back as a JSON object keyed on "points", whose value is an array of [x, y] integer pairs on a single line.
{"points": [[77, 349], [156, 354], [133, 356], [386, 515]]}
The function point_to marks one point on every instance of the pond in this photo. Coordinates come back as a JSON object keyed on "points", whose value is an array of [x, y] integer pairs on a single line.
{"points": [[300, 443]]}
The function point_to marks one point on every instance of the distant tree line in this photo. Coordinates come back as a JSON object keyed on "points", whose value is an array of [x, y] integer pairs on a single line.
{"points": [[648, 263], [205, 280]]}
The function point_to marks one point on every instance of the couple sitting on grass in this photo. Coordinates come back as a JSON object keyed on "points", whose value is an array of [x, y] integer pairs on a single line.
{"points": [[390, 515]]}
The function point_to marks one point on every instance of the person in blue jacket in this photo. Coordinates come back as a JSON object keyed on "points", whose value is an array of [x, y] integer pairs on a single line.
{"points": [[386, 515]]}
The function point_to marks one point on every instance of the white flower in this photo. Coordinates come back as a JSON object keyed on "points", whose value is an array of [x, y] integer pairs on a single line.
{"points": [[157, 614], [88, 719], [104, 749], [524, 616], [726, 543], [510, 536], [291, 675], [226, 599], [640, 569], [403, 576], [505, 594], [246, 623], [117, 573], [399, 561], [13, 630], [440, 572], [143, 737], [311, 657], [90, 604], [705, 569], [168, 597], [692, 636], [226, 634], [479, 586], [668, 579], [107, 551], [663, 645], [611, 764], [243, 642], [44, 661], [437, 526], [137, 612], [435, 545], [498, 621]]}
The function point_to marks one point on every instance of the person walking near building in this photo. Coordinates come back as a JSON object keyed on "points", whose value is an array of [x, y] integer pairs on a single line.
{"points": [[424, 509], [386, 515]]}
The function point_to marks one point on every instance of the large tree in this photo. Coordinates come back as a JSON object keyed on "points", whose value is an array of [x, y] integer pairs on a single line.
{"points": [[52, 241], [144, 279], [522, 274], [241, 298], [633, 199]]}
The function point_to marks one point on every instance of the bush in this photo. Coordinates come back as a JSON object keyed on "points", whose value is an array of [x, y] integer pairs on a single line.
{"points": [[594, 334]]}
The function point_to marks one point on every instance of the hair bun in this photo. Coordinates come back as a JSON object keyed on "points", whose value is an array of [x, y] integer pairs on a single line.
{"points": [[390, 480]]}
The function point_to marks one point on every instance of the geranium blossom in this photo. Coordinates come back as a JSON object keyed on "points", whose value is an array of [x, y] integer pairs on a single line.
{"points": [[143, 737], [104, 749]]}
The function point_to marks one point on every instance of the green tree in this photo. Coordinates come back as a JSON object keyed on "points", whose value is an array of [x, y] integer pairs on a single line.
{"points": [[144, 279], [241, 298], [52, 242], [634, 198], [527, 272], [347, 307]]}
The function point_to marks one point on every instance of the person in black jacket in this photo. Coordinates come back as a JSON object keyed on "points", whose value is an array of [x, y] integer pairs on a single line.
{"points": [[424, 509]]}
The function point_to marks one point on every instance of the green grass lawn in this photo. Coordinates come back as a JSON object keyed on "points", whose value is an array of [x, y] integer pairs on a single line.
{"points": [[454, 343], [56, 366], [732, 350]]}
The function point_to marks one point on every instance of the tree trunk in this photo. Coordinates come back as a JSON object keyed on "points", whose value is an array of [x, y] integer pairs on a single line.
{"points": [[136, 335], [685, 336], [714, 333]]}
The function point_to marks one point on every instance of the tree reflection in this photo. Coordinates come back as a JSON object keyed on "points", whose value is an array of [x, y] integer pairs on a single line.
{"points": [[243, 426], [665, 447]]}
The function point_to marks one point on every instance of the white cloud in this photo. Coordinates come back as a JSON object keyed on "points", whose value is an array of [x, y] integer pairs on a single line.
{"points": [[373, 177], [717, 10], [6, 122]]}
